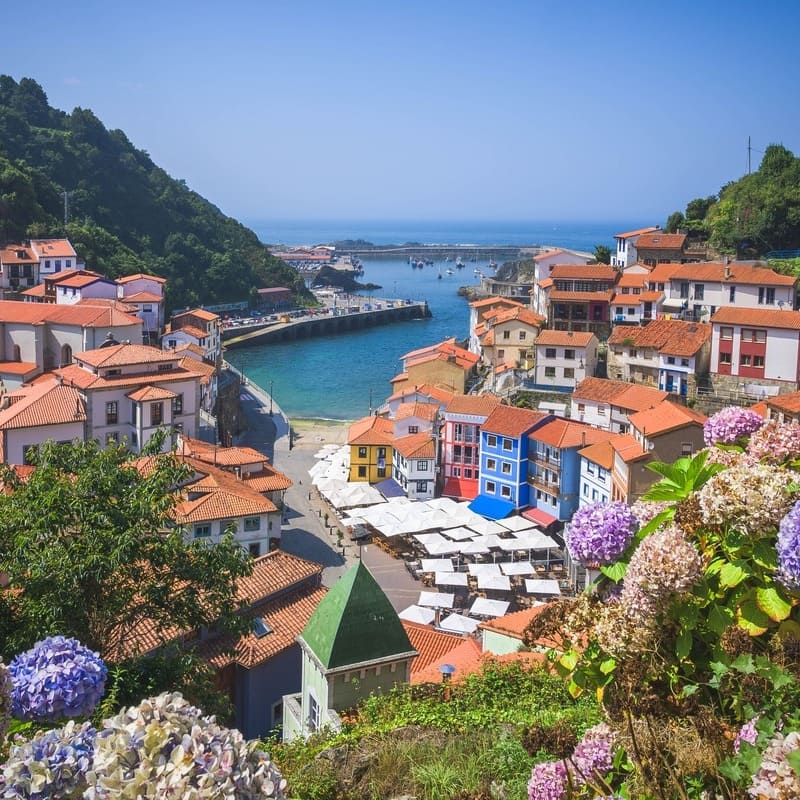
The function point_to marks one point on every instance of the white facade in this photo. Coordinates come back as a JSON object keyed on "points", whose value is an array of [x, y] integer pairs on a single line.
{"points": [[417, 476], [781, 352], [543, 263], [252, 531], [72, 295], [674, 373], [595, 484], [562, 367]]}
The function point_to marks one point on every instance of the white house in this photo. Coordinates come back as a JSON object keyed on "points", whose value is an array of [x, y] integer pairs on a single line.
{"points": [[597, 461], [625, 254], [607, 403], [54, 255], [19, 270], [414, 465], [199, 327], [74, 288], [564, 358], [146, 294], [131, 391], [542, 264], [415, 417]]}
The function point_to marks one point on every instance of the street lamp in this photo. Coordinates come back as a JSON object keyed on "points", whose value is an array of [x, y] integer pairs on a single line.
{"points": [[270, 398]]}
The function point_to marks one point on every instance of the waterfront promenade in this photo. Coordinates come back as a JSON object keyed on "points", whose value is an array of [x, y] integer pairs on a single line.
{"points": [[304, 532]]}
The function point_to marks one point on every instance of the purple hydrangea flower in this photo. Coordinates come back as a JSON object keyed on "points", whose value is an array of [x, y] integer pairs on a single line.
{"points": [[730, 425], [747, 733], [594, 753], [600, 533], [5, 700], [788, 546], [548, 781], [57, 678], [51, 766]]}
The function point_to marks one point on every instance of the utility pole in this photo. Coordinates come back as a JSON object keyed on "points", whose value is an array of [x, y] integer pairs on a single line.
{"points": [[749, 151], [66, 195]]}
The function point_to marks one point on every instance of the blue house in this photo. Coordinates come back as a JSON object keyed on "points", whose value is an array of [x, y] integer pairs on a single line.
{"points": [[503, 479], [554, 468]]}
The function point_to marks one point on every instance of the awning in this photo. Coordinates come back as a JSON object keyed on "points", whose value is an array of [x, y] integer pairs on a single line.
{"points": [[675, 302], [460, 488], [390, 488], [491, 507], [539, 517]]}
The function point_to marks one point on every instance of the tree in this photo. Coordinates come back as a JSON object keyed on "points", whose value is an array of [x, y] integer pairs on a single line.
{"points": [[698, 208], [91, 551], [602, 254], [674, 222]]}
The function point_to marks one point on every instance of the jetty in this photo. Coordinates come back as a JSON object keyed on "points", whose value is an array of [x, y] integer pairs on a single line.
{"points": [[438, 252], [362, 313]]}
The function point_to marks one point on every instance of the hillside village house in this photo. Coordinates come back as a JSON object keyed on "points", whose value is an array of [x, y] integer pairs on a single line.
{"points": [[606, 403], [370, 441], [415, 417], [146, 294], [564, 359], [668, 431], [54, 255], [542, 264], [460, 451], [422, 393], [19, 270], [668, 354], [578, 297], [504, 449], [755, 349], [414, 465], [81, 285], [478, 310], [660, 248], [699, 290], [634, 301], [783, 408], [445, 365], [198, 327], [193, 357], [626, 254], [36, 338], [507, 336], [131, 391]]}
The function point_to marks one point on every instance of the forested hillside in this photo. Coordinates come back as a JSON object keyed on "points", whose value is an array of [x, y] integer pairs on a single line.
{"points": [[126, 213], [753, 216]]}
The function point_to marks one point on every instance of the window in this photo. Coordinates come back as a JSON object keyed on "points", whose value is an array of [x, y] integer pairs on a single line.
{"points": [[165, 367], [590, 467], [254, 548], [112, 412], [172, 343], [177, 404], [422, 466], [699, 291], [457, 452], [202, 531], [506, 334], [581, 407], [490, 487], [569, 355], [766, 296], [670, 359], [758, 361], [422, 486], [523, 335], [252, 524], [508, 445], [745, 360], [156, 413], [58, 265], [491, 440], [585, 489], [724, 358], [549, 372], [569, 372], [505, 468], [413, 428], [684, 289], [313, 713], [601, 410], [731, 294], [594, 494], [633, 353], [631, 311], [277, 714], [362, 472], [550, 352], [491, 463], [726, 333], [381, 472], [362, 452], [505, 491]]}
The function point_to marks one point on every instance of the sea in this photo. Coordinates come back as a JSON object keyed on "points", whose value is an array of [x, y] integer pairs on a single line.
{"points": [[342, 376]]}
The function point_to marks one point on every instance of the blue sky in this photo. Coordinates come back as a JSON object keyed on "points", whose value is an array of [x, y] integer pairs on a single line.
{"points": [[427, 110]]}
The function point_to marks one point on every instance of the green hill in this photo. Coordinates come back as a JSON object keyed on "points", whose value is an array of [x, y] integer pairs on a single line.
{"points": [[126, 213], [750, 217]]}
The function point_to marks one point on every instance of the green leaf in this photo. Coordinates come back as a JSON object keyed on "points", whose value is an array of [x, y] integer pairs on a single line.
{"points": [[607, 666], [616, 571], [569, 660], [731, 575], [772, 604], [744, 664], [765, 554], [689, 690], [683, 645], [752, 618], [794, 761], [719, 618]]}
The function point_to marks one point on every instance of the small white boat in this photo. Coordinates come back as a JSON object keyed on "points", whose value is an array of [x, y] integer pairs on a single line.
{"points": [[449, 272]]}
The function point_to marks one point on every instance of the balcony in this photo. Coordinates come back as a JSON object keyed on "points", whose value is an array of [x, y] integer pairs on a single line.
{"points": [[545, 461], [551, 487]]}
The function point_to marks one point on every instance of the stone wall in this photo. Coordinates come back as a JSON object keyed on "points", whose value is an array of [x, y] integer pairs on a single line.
{"points": [[228, 410]]}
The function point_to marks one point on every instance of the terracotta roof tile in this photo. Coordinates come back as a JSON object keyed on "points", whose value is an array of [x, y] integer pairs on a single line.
{"points": [[562, 433], [601, 453], [17, 254], [661, 241], [426, 411], [120, 355], [81, 280], [632, 280], [638, 398], [45, 403], [760, 408], [669, 336], [18, 367], [662, 273], [221, 456], [521, 314], [488, 302], [479, 405], [143, 297], [416, 445], [599, 389], [627, 447], [141, 276], [785, 402], [431, 645], [761, 317], [200, 313], [428, 349], [267, 480], [580, 297], [546, 283], [515, 623], [553, 338], [548, 254], [85, 316], [437, 393], [53, 248], [511, 421], [76, 375], [148, 393], [739, 273], [465, 656], [665, 417], [189, 330], [637, 232], [371, 430]]}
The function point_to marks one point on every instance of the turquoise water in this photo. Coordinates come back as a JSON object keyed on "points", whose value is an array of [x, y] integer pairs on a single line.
{"points": [[332, 377]]}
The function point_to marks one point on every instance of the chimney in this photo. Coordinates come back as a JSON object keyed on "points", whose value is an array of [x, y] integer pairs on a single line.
{"points": [[727, 269]]}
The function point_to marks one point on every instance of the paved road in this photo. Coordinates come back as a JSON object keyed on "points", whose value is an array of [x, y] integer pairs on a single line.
{"points": [[305, 532]]}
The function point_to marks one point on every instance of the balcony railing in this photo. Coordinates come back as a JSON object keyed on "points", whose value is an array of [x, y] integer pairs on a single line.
{"points": [[551, 487], [537, 458]]}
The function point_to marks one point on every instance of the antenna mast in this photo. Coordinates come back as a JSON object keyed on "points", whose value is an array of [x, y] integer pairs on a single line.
{"points": [[65, 193], [749, 152]]}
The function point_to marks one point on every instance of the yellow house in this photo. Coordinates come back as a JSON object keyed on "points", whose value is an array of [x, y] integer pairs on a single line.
{"points": [[445, 364], [370, 441]]}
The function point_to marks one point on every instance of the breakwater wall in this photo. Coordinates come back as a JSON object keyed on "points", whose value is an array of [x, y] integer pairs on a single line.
{"points": [[439, 252], [377, 312]]}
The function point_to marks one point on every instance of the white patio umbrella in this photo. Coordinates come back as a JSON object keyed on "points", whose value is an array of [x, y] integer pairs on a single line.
{"points": [[458, 623], [541, 586], [458, 534], [518, 568], [486, 527], [436, 599], [483, 607], [451, 579], [495, 583], [473, 548], [437, 565], [516, 523], [418, 614], [483, 569], [443, 547]]}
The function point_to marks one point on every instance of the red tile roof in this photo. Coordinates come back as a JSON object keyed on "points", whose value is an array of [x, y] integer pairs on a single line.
{"points": [[563, 433], [619, 393], [426, 411], [521, 314], [546, 283], [761, 317], [45, 403], [638, 398], [416, 445], [670, 336], [143, 297], [18, 367], [548, 254], [437, 393], [553, 338], [662, 273], [431, 645], [661, 241], [200, 313], [597, 272], [431, 348], [739, 273], [120, 355], [627, 447], [85, 316], [221, 456], [488, 302], [53, 248], [371, 430], [665, 417], [637, 232], [148, 393], [465, 656], [189, 330], [76, 375], [513, 624], [601, 453], [785, 402], [478, 405], [633, 280], [80, 279], [17, 254], [141, 276], [511, 421]]}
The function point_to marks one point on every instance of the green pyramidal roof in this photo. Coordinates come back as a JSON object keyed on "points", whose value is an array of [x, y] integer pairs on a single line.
{"points": [[355, 622]]}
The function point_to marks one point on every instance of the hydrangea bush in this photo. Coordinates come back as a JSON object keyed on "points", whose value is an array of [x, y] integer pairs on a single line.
{"points": [[690, 637], [56, 678]]}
